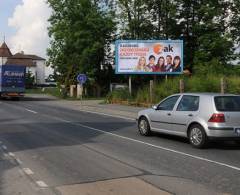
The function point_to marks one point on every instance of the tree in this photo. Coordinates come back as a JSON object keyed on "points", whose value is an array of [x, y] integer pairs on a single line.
{"points": [[203, 25], [81, 33], [30, 80]]}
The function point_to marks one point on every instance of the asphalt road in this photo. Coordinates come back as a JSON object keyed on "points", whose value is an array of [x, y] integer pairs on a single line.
{"points": [[60, 148]]}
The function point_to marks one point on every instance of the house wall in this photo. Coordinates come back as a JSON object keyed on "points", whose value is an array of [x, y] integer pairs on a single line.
{"points": [[3, 60]]}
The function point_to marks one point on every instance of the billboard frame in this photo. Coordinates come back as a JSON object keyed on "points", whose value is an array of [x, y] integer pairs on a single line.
{"points": [[117, 42]]}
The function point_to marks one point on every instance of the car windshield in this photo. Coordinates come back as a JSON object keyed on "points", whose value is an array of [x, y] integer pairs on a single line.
{"points": [[227, 103]]}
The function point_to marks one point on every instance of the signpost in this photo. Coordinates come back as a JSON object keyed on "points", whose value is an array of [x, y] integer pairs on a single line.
{"points": [[81, 78]]}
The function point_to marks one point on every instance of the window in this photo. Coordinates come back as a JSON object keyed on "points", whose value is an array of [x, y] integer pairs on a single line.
{"points": [[227, 103], [168, 104], [188, 103]]}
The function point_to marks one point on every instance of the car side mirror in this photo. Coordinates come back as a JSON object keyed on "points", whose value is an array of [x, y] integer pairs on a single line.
{"points": [[154, 107]]}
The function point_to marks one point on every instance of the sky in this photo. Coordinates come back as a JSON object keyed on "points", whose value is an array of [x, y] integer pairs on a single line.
{"points": [[24, 24]]}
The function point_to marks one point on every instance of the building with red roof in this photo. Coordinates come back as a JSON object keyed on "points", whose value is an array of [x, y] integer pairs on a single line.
{"points": [[34, 64]]}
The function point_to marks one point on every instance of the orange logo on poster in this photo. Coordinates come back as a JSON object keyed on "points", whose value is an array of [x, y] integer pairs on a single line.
{"points": [[158, 48]]}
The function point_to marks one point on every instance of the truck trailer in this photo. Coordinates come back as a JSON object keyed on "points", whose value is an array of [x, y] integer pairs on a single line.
{"points": [[12, 81]]}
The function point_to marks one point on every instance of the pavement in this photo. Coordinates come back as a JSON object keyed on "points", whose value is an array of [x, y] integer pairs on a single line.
{"points": [[51, 146]]}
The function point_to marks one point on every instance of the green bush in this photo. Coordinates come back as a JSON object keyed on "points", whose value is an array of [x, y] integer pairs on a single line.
{"points": [[119, 95], [233, 85], [207, 83], [29, 80]]}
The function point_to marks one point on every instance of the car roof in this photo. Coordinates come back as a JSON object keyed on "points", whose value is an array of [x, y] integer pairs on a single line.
{"points": [[207, 94]]}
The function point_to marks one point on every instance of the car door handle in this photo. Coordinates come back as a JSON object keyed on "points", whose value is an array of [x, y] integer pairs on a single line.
{"points": [[190, 115], [169, 114]]}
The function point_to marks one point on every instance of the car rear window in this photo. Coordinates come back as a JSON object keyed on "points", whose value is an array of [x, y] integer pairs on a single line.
{"points": [[227, 103]]}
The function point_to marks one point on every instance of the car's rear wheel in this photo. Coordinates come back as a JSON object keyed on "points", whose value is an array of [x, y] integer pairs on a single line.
{"points": [[143, 126], [197, 136]]}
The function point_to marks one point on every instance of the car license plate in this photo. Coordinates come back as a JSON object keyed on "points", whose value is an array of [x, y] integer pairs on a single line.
{"points": [[237, 131]]}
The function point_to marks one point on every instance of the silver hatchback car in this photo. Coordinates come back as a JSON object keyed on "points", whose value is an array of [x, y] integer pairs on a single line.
{"points": [[196, 116]]}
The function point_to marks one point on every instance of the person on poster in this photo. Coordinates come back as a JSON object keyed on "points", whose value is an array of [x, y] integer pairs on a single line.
{"points": [[169, 64], [160, 66], [142, 63], [177, 64], [151, 64]]}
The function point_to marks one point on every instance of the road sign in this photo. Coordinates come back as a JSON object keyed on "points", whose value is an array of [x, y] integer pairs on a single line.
{"points": [[82, 78]]}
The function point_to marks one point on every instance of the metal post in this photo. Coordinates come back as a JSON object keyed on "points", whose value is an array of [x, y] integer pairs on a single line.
{"points": [[130, 84], [79, 91], [166, 77]]}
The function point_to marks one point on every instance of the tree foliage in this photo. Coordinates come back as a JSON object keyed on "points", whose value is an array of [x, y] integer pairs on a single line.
{"points": [[82, 32], [209, 28]]}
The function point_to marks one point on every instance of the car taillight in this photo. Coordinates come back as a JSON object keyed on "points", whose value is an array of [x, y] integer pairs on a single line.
{"points": [[217, 118]]}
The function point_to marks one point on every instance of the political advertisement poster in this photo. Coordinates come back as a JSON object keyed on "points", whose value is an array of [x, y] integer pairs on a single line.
{"points": [[149, 57]]}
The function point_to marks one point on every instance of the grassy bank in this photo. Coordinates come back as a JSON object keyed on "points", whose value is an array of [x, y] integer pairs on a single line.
{"points": [[54, 91], [164, 88]]}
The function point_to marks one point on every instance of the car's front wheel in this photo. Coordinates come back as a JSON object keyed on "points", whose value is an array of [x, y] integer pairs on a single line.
{"points": [[143, 126], [197, 136]]}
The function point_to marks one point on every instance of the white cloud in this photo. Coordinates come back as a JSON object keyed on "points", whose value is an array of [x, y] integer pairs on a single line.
{"points": [[30, 21]]}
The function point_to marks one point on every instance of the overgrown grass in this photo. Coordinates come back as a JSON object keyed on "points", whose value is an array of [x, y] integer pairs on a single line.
{"points": [[54, 91], [164, 88]]}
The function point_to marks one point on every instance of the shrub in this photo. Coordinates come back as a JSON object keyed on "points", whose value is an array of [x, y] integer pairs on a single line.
{"points": [[207, 83], [118, 95]]}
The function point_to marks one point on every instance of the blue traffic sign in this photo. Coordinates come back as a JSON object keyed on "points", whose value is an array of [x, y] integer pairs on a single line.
{"points": [[82, 78]]}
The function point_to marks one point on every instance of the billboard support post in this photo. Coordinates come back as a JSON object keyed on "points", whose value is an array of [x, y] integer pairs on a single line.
{"points": [[181, 86], [151, 91], [130, 85]]}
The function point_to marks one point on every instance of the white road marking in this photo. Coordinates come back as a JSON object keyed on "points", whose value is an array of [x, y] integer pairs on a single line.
{"points": [[115, 116], [34, 112], [62, 120], [4, 147], [19, 161], [145, 143], [11, 154], [41, 184], [28, 171], [158, 147]]}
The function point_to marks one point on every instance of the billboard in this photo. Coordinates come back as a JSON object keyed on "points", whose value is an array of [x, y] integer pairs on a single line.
{"points": [[149, 57]]}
